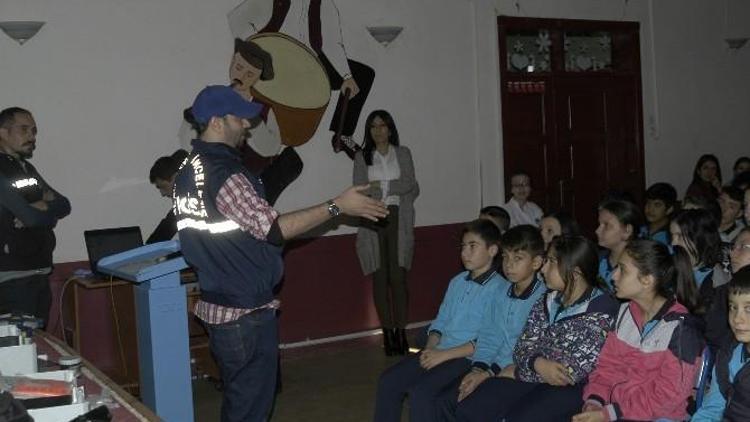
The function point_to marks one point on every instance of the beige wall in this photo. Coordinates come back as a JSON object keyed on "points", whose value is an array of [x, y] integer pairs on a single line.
{"points": [[696, 93], [107, 81]]}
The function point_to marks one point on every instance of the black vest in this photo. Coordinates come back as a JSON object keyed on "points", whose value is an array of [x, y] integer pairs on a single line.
{"points": [[737, 394], [23, 248], [233, 267]]}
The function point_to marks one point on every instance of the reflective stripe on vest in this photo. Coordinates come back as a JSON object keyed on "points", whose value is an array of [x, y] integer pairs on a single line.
{"points": [[213, 228], [24, 183], [187, 206]]}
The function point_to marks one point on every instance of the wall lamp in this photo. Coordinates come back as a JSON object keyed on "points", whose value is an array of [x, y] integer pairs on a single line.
{"points": [[21, 31], [735, 43], [384, 34]]}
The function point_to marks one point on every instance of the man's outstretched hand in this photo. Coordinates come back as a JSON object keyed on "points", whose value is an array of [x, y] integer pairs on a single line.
{"points": [[353, 202]]}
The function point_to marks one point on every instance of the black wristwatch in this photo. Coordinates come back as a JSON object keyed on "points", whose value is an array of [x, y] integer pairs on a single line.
{"points": [[333, 209]]}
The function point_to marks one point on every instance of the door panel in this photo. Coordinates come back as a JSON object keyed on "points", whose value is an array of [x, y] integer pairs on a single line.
{"points": [[582, 126], [624, 157], [528, 125]]}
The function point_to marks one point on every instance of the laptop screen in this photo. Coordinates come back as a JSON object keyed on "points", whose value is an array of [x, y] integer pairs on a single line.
{"points": [[105, 242]]}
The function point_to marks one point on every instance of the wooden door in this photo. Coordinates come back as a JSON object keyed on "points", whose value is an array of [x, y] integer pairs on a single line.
{"points": [[597, 122], [574, 125]]}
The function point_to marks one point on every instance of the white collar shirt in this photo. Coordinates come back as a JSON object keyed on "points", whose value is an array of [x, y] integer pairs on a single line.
{"points": [[385, 168]]}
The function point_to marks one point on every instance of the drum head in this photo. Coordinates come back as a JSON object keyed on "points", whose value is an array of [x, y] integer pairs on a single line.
{"points": [[300, 81]]}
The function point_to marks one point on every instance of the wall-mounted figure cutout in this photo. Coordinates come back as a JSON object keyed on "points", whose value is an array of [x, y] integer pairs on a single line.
{"points": [[288, 29]]}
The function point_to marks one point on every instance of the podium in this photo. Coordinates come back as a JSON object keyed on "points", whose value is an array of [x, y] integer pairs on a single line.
{"points": [[163, 349]]}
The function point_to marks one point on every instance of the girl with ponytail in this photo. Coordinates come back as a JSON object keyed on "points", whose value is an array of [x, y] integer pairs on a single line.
{"points": [[648, 364], [697, 232]]}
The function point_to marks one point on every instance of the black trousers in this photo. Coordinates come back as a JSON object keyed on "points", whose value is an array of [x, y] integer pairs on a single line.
{"points": [[513, 401], [423, 387], [389, 281], [364, 76], [28, 295]]}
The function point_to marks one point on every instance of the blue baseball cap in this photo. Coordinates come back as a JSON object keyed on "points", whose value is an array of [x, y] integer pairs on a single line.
{"points": [[219, 101]]}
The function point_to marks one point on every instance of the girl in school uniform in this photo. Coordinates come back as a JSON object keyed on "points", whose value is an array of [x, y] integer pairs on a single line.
{"points": [[559, 345], [558, 223], [619, 221], [697, 231], [647, 367]]}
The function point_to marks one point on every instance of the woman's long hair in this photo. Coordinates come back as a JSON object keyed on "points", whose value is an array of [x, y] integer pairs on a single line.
{"points": [[702, 160], [369, 142], [700, 232]]}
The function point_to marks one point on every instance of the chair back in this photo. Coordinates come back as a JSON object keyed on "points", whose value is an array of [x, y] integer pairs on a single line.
{"points": [[704, 376]]}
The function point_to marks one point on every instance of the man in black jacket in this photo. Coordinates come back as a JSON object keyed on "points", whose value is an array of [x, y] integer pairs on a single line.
{"points": [[29, 210]]}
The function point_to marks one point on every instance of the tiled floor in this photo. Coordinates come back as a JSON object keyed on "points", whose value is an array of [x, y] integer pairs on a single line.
{"points": [[332, 382]]}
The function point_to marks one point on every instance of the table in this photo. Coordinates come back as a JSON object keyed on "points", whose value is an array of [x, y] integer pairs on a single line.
{"points": [[104, 327], [127, 409]]}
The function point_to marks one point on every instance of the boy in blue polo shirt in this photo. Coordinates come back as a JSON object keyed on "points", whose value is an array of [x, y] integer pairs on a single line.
{"points": [[728, 398], [661, 199], [452, 334], [523, 255]]}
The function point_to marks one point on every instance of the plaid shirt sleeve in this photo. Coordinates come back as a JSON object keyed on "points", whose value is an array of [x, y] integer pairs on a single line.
{"points": [[238, 201]]}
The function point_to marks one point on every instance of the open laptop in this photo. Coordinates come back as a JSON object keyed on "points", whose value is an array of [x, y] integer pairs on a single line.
{"points": [[105, 242]]}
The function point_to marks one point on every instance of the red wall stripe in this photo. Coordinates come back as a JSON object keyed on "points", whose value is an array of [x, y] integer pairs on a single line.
{"points": [[323, 292]]}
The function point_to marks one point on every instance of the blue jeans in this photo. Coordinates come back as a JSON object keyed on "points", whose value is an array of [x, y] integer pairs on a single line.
{"points": [[247, 353]]}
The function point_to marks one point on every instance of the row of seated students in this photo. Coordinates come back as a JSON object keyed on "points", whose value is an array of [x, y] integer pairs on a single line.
{"points": [[541, 326]]}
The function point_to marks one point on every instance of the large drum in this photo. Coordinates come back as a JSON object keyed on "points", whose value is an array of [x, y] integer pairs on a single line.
{"points": [[298, 93]]}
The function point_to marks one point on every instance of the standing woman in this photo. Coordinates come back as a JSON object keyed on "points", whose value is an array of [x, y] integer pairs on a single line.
{"points": [[386, 249]]}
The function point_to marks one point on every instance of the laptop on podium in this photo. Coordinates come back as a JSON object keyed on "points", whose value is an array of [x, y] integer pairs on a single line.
{"points": [[105, 242]]}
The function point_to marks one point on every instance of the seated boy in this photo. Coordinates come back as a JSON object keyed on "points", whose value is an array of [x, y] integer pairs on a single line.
{"points": [[523, 255], [661, 199], [730, 202], [728, 398], [740, 250], [730, 225], [451, 335], [497, 215], [521, 210]]}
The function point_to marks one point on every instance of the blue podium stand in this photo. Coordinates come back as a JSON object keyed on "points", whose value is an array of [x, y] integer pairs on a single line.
{"points": [[163, 346]]}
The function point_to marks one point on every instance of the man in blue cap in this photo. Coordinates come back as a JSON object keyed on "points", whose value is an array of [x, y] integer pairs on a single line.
{"points": [[233, 239]]}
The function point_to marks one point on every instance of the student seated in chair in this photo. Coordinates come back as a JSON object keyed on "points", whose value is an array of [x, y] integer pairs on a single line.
{"points": [[523, 256], [452, 334], [648, 365], [728, 398]]}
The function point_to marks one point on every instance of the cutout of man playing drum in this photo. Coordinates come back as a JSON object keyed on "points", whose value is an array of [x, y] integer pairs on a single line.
{"points": [[316, 24]]}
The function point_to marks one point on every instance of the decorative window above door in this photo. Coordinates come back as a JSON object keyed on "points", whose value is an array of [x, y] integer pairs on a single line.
{"points": [[539, 48], [528, 51], [587, 51]]}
